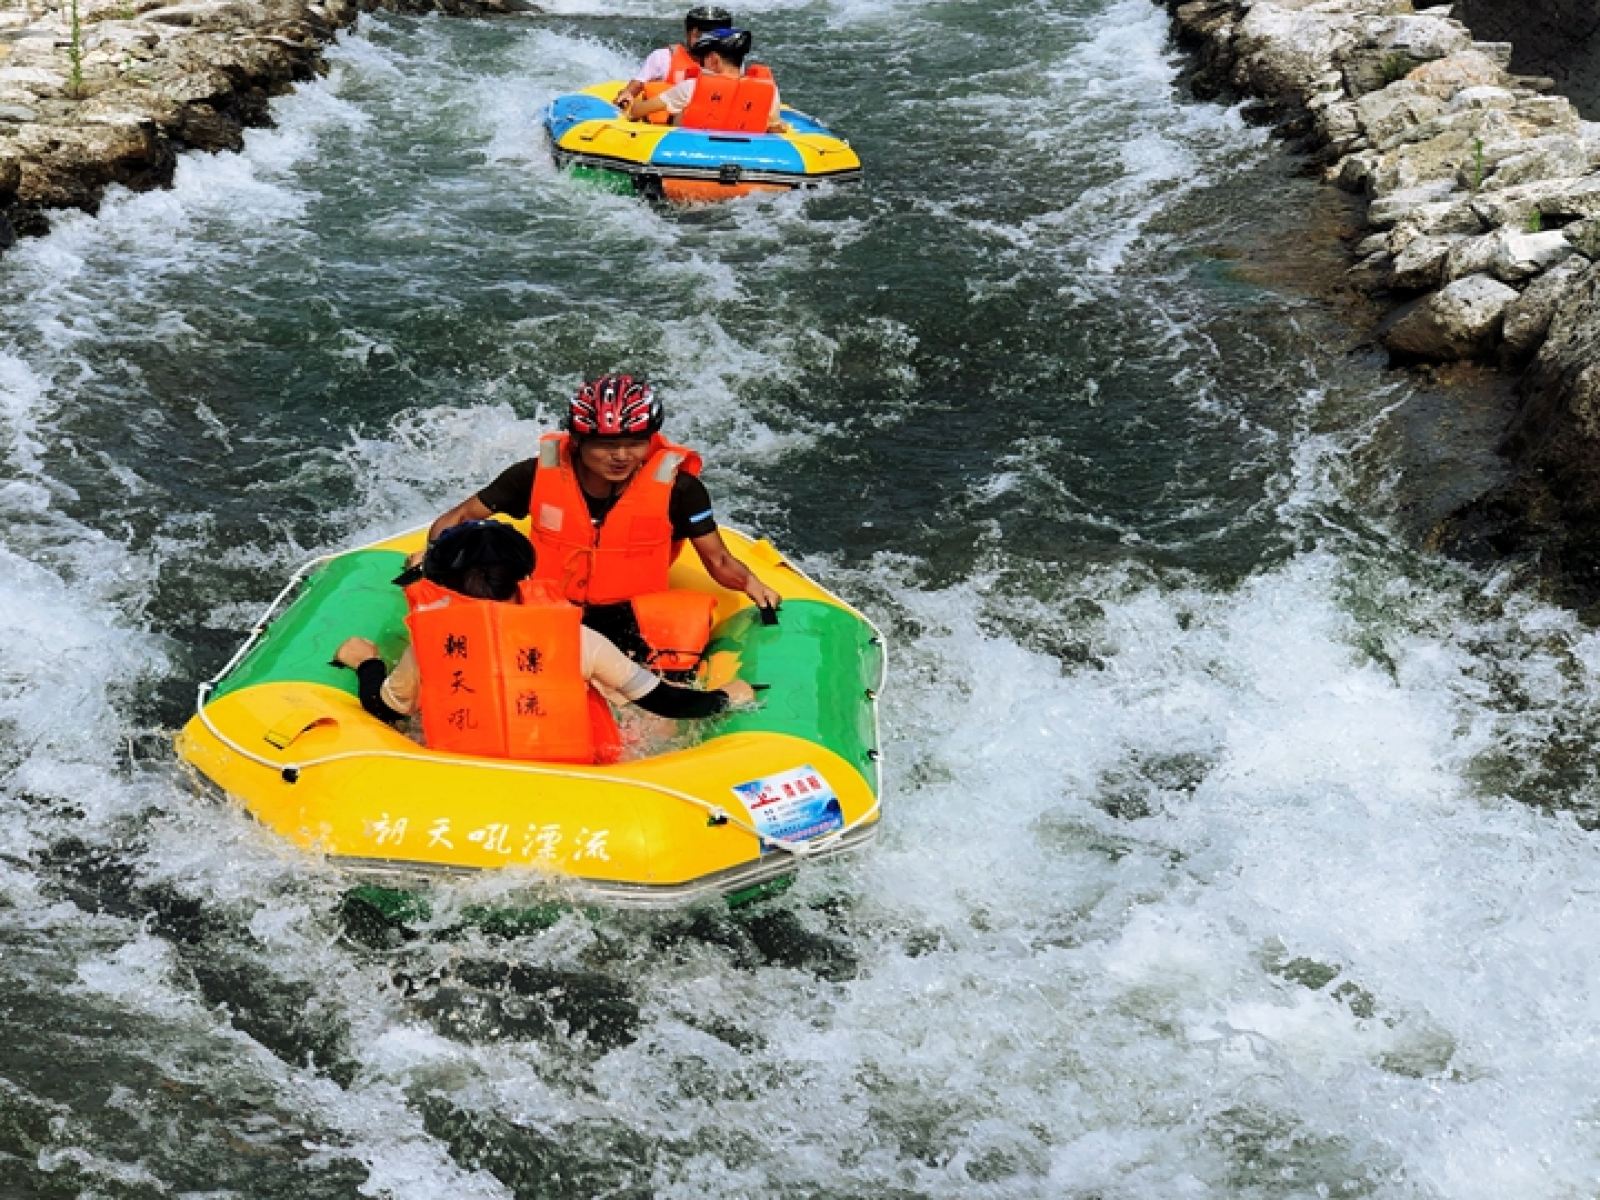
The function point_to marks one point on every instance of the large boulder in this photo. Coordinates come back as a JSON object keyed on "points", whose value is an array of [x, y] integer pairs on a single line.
{"points": [[1555, 202], [1425, 37], [1510, 255], [1555, 156], [1282, 52], [1456, 73], [1387, 115], [1528, 317], [69, 166], [1461, 320]]}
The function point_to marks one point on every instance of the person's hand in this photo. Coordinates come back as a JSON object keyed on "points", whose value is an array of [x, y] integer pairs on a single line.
{"points": [[739, 693], [414, 559], [355, 651], [622, 98], [778, 127], [764, 596]]}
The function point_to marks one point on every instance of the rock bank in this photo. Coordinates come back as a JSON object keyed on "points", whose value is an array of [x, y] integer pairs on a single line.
{"points": [[110, 91], [1483, 213]]}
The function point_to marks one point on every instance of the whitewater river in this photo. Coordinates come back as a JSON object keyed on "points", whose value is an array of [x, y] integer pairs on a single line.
{"points": [[1234, 846]]}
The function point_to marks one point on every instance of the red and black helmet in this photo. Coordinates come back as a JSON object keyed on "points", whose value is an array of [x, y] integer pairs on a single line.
{"points": [[615, 406]]}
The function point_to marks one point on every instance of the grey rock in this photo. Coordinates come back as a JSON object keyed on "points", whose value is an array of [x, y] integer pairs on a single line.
{"points": [[1426, 37], [1563, 200], [1396, 110], [1585, 237], [1468, 68], [1483, 96], [1470, 256], [1459, 321], [1280, 50], [1528, 317], [1420, 266], [1404, 203], [1520, 256], [1500, 52], [1509, 255], [1558, 156]]}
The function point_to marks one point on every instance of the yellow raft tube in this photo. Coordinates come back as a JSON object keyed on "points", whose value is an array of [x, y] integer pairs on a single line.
{"points": [[281, 730], [590, 136]]}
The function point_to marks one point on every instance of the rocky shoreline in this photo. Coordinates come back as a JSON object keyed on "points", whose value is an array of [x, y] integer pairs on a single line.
{"points": [[110, 91], [1482, 195]]}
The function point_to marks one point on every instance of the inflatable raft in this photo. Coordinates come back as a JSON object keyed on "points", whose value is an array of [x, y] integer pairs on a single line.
{"points": [[589, 135], [281, 730]]}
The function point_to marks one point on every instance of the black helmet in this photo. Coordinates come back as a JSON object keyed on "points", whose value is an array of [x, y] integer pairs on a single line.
{"points": [[707, 16], [731, 44], [484, 559]]}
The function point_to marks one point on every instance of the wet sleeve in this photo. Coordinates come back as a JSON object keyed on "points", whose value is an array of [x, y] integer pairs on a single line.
{"points": [[689, 508], [511, 490]]}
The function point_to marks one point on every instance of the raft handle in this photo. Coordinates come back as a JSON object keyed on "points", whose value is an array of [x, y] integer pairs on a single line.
{"points": [[291, 774], [717, 817]]}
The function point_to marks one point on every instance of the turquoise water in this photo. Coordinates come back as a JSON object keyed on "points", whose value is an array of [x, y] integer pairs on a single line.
{"points": [[1233, 845]]}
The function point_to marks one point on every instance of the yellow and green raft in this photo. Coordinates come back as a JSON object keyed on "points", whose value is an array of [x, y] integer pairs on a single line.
{"points": [[282, 730]]}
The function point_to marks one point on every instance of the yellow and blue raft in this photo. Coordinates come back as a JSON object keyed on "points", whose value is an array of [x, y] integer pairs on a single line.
{"points": [[590, 135], [282, 730]]}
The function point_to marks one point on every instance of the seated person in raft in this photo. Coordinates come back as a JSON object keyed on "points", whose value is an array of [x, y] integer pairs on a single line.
{"points": [[500, 664], [612, 501], [721, 54], [673, 64]]}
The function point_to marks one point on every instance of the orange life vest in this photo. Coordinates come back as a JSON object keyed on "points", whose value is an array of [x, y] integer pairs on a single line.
{"points": [[676, 625], [683, 64], [505, 680], [628, 553], [737, 104]]}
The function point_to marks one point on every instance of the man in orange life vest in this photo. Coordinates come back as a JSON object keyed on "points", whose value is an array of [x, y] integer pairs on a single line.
{"points": [[611, 501], [673, 64], [720, 54], [500, 665]]}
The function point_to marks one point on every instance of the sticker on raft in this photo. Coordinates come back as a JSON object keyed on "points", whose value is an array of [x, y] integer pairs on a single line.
{"points": [[792, 806]]}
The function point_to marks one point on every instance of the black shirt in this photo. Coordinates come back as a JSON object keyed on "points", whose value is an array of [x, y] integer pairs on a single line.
{"points": [[688, 508]]}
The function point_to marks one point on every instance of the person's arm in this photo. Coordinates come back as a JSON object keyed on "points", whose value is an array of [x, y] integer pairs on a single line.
{"points": [[470, 509], [775, 121], [674, 100], [656, 66], [639, 110], [729, 572]]}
